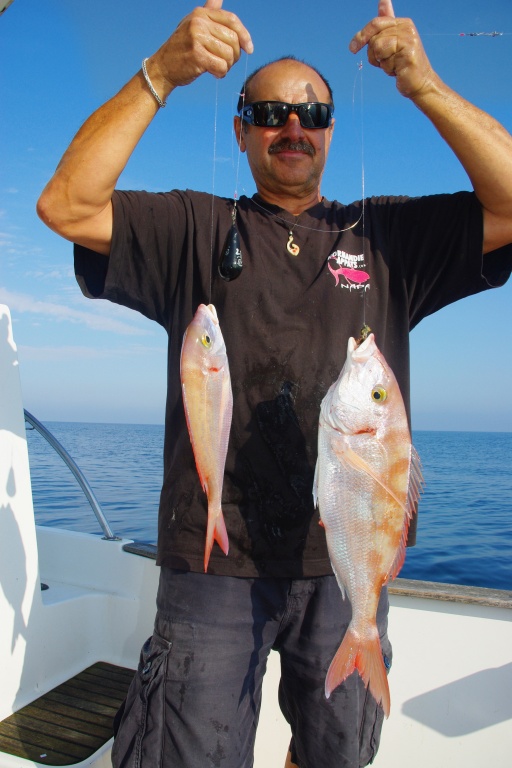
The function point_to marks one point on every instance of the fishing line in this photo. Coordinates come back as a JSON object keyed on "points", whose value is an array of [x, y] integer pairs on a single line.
{"points": [[465, 34], [215, 121], [231, 264], [363, 194], [239, 155], [304, 226], [360, 218], [483, 34]]}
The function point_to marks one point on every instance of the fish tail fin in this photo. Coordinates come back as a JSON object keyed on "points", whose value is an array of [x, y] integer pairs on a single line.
{"points": [[365, 655], [216, 530]]}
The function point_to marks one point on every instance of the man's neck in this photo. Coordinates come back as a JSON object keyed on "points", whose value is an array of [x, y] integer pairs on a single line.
{"points": [[291, 203]]}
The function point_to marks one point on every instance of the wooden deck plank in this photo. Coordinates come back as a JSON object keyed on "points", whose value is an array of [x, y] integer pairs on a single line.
{"points": [[111, 675], [54, 722], [35, 753], [94, 686], [110, 685], [102, 667], [30, 741], [89, 706], [53, 730], [70, 722], [79, 690], [57, 709]]}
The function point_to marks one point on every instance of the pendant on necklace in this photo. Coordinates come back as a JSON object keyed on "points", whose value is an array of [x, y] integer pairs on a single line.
{"points": [[292, 247]]}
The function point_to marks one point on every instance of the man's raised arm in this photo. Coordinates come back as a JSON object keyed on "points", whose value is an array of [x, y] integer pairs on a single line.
{"points": [[482, 145], [76, 202]]}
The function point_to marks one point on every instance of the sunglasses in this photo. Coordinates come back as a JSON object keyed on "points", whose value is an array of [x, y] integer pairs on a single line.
{"points": [[274, 114]]}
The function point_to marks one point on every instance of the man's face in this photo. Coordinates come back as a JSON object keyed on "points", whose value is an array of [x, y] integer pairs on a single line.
{"points": [[287, 160]]}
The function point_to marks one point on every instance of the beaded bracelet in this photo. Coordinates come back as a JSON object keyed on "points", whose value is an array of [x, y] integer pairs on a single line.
{"points": [[150, 85]]}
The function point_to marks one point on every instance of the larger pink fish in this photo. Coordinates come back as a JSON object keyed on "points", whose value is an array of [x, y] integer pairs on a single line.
{"points": [[367, 484], [208, 402]]}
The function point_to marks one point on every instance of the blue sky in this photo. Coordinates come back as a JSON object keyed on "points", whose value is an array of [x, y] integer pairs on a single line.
{"points": [[60, 59]]}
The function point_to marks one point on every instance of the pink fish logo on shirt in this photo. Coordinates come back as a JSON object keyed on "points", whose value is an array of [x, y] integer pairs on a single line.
{"points": [[343, 265]]}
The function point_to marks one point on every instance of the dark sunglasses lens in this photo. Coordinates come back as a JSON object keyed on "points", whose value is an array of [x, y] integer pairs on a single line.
{"points": [[274, 114], [269, 115], [314, 115]]}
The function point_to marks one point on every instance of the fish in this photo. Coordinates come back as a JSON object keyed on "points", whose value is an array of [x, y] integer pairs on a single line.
{"points": [[367, 485], [208, 404]]}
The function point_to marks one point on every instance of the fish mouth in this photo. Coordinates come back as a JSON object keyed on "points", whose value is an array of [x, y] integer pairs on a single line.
{"points": [[360, 351], [213, 312]]}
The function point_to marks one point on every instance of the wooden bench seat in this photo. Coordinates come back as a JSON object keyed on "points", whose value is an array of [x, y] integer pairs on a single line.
{"points": [[70, 722]]}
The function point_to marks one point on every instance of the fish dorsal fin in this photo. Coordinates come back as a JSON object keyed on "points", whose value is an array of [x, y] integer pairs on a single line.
{"points": [[413, 494], [416, 482], [400, 553], [353, 459]]}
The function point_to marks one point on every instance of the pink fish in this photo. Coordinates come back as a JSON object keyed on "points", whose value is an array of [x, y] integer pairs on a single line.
{"points": [[208, 403], [367, 485], [352, 276]]}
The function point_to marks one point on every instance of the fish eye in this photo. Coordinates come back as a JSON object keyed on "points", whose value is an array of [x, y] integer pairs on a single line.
{"points": [[206, 340], [379, 395]]}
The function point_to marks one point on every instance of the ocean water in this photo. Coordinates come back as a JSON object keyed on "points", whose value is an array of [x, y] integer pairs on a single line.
{"points": [[465, 523]]}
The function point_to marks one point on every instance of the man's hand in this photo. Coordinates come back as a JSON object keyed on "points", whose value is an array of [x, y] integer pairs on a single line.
{"points": [[76, 202], [395, 47], [207, 40]]}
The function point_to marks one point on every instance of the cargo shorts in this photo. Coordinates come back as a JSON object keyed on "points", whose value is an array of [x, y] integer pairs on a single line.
{"points": [[195, 698]]}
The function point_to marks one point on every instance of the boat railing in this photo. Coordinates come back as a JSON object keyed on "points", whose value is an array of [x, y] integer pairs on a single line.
{"points": [[77, 472]]}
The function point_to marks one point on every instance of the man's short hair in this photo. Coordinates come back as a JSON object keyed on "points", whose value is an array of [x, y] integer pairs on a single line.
{"points": [[245, 93]]}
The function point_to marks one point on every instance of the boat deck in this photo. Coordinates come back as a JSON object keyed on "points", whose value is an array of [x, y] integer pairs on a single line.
{"points": [[70, 722]]}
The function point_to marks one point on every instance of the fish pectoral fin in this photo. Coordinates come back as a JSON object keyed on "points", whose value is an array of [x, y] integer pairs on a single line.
{"points": [[355, 461]]}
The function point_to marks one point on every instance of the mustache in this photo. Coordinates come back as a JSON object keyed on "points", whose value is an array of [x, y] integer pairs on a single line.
{"points": [[293, 146]]}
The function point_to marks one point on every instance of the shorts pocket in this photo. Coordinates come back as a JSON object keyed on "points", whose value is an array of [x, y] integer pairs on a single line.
{"points": [[182, 637], [139, 738]]}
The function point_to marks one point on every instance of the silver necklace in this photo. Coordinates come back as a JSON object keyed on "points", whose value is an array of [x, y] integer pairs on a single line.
{"points": [[292, 247]]}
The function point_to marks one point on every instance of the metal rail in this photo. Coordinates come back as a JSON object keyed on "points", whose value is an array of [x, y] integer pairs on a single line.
{"points": [[77, 472]]}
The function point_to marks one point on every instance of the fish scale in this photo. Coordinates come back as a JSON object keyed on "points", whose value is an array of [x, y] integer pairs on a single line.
{"points": [[208, 404], [367, 485]]}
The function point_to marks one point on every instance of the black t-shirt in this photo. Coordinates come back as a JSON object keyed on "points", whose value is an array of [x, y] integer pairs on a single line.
{"points": [[286, 321]]}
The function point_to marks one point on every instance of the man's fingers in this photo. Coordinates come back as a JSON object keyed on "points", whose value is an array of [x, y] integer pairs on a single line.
{"points": [[385, 17], [209, 39], [375, 26], [222, 49], [230, 21], [386, 8]]}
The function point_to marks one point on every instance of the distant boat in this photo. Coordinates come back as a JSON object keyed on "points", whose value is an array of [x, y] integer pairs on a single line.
{"points": [[75, 609]]}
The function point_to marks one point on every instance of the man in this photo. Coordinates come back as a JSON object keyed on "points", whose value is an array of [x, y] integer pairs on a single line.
{"points": [[286, 319]]}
